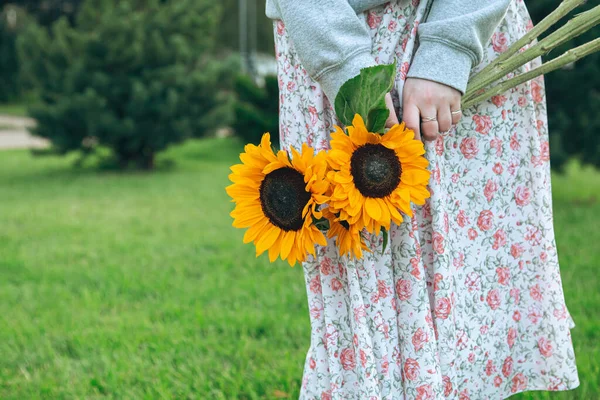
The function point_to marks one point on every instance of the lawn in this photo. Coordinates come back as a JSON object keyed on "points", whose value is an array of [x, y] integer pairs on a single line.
{"points": [[135, 285]]}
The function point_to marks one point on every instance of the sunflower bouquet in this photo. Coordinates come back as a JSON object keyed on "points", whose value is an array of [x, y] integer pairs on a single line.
{"points": [[290, 202]]}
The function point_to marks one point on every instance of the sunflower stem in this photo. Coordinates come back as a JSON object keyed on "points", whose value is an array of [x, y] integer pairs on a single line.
{"points": [[573, 28], [566, 58], [563, 9]]}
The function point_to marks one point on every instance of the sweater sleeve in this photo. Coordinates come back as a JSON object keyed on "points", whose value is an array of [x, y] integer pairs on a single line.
{"points": [[452, 39], [331, 40]]}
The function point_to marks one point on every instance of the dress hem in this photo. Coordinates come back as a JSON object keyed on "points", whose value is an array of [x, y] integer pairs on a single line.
{"points": [[543, 389]]}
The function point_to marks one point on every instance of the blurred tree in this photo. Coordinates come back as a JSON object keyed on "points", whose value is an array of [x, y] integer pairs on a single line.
{"points": [[257, 109], [573, 97], [48, 11], [11, 22], [133, 76]]}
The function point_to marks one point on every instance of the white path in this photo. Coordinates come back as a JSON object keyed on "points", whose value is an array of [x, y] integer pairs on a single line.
{"points": [[14, 134]]}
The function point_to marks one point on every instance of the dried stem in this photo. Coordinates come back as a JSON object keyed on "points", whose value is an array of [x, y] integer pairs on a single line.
{"points": [[563, 9], [575, 27], [568, 57]]}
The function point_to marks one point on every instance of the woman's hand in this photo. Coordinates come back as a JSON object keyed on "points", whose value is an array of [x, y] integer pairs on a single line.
{"points": [[429, 107]]}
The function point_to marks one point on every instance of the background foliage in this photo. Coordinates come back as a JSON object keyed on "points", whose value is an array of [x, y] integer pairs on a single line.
{"points": [[257, 109], [133, 76], [573, 96]]}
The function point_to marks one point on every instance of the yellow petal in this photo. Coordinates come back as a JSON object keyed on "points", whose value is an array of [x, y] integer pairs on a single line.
{"points": [[373, 209], [267, 239]]}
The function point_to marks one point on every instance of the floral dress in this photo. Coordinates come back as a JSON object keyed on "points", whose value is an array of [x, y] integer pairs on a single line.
{"points": [[466, 301]]}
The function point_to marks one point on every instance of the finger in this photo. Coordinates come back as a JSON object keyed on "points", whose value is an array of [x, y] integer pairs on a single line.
{"points": [[429, 129], [411, 117], [393, 117], [455, 111], [444, 118]]}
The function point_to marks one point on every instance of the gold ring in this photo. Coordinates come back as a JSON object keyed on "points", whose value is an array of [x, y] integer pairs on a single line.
{"points": [[455, 112], [428, 119]]}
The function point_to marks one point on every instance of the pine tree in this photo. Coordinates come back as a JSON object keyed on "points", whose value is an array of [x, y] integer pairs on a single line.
{"points": [[133, 76]]}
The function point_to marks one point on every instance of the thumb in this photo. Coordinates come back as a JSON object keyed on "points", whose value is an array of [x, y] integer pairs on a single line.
{"points": [[412, 119], [393, 117]]}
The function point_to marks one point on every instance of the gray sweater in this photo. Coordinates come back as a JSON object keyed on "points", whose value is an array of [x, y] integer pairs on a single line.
{"points": [[333, 42]]}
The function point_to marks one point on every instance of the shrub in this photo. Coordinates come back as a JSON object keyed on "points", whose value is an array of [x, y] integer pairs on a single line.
{"points": [[257, 109], [12, 21], [133, 76]]}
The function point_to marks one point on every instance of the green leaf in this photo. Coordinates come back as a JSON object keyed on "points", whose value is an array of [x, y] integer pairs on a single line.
{"points": [[385, 239], [376, 119], [365, 95]]}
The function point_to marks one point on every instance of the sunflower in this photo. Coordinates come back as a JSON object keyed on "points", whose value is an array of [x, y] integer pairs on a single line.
{"points": [[348, 237], [277, 198], [375, 177]]}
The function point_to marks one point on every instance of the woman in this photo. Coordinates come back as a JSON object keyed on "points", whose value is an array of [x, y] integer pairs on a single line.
{"points": [[466, 301]]}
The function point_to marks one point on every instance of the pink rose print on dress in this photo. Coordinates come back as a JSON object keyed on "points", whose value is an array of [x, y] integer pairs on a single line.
{"points": [[312, 363], [464, 395], [517, 316], [503, 275], [419, 339], [468, 147], [483, 123], [499, 239], [404, 70], [411, 369], [516, 250], [462, 219], [438, 242], [472, 234], [442, 308], [536, 293], [280, 28], [498, 168], [363, 358], [373, 20], [336, 284], [514, 142], [403, 289], [498, 100], [315, 284], [425, 392], [347, 359], [522, 196], [490, 189], [512, 335], [497, 381], [314, 117], [496, 144], [447, 385], [392, 25], [484, 222], [326, 395], [493, 299], [537, 92], [507, 367], [545, 347], [499, 42], [519, 383], [489, 368], [383, 290]]}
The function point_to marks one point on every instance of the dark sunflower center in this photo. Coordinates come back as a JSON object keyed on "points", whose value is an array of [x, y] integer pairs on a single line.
{"points": [[282, 197], [376, 170]]}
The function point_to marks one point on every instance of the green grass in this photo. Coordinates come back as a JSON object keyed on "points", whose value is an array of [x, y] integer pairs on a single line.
{"points": [[135, 285], [17, 110]]}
